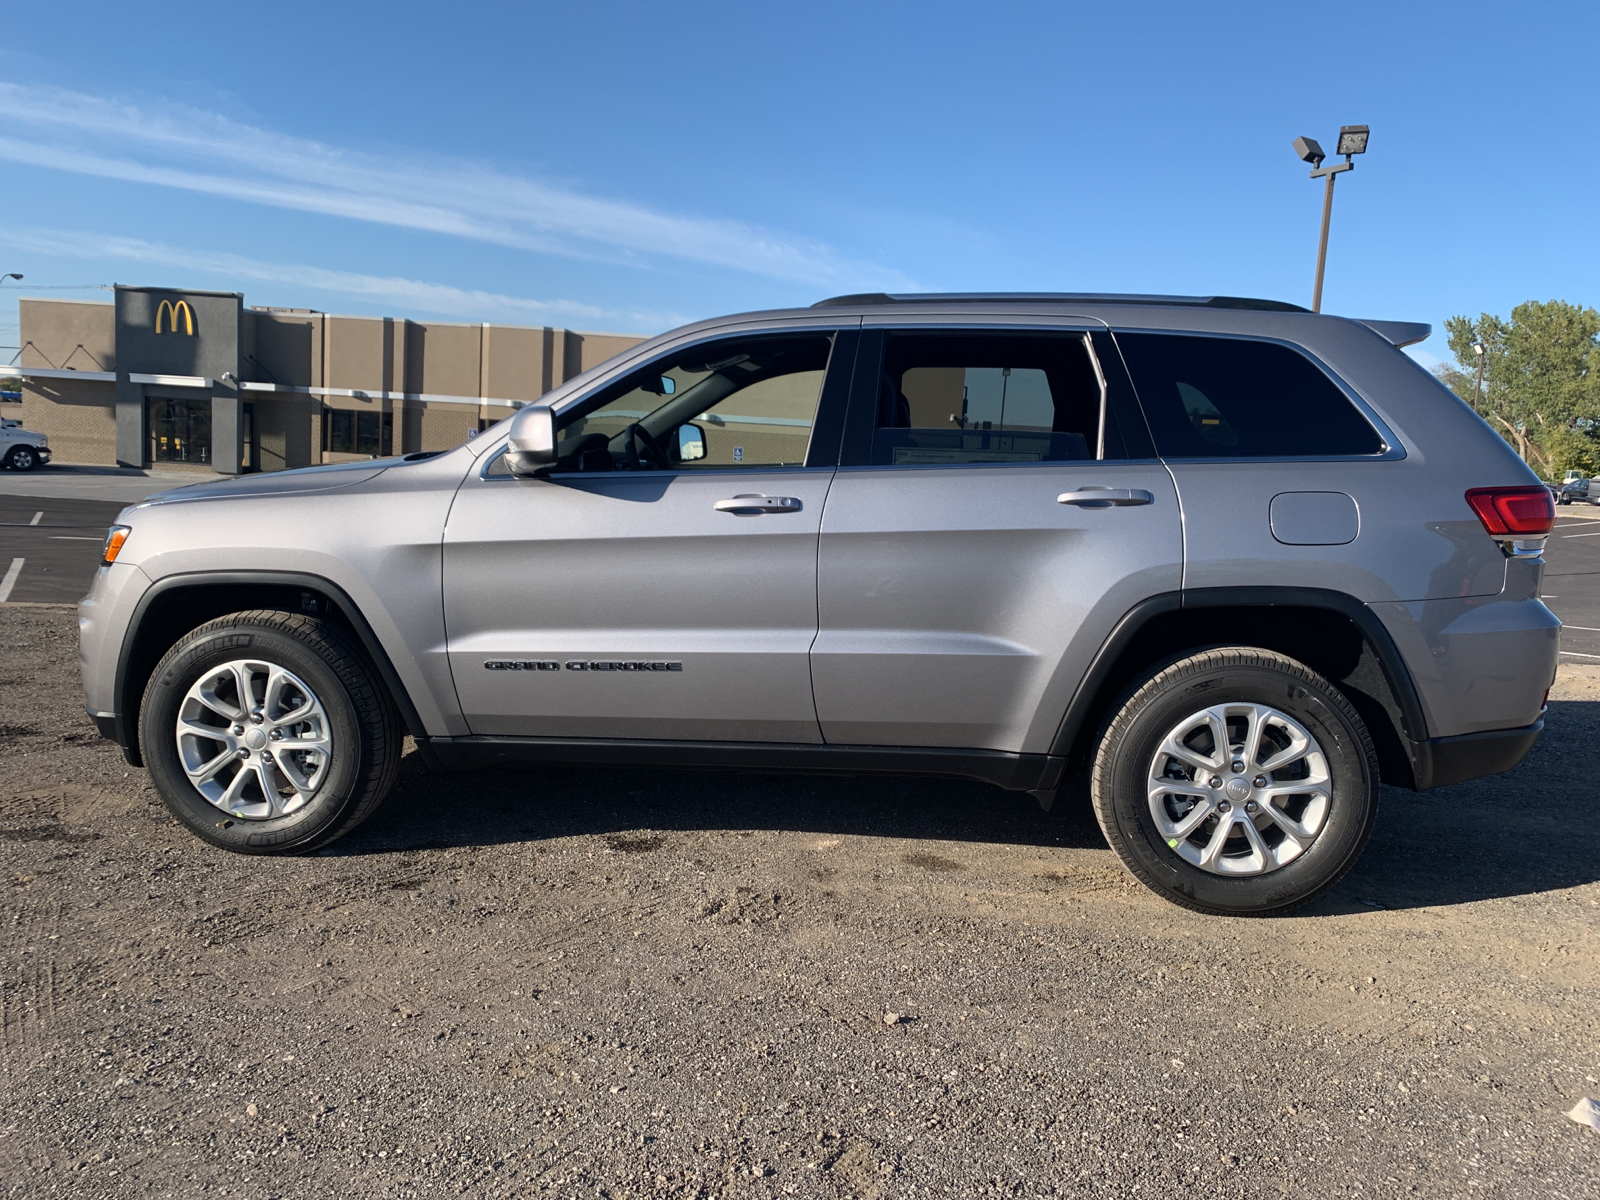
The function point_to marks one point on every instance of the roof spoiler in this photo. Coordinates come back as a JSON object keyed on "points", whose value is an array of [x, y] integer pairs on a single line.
{"points": [[1399, 333]]}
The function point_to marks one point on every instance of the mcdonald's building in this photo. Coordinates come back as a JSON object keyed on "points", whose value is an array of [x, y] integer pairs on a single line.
{"points": [[198, 381]]}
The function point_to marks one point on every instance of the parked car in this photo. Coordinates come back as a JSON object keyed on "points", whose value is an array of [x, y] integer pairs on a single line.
{"points": [[22, 449], [1579, 490], [1231, 561]]}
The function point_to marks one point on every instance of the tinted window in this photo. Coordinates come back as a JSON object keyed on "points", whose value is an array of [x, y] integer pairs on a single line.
{"points": [[962, 398], [1208, 397]]}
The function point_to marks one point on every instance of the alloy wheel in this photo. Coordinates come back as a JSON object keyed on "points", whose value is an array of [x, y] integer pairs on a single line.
{"points": [[1239, 789]]}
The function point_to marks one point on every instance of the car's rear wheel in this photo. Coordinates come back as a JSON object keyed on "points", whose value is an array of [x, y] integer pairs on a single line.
{"points": [[1236, 781], [22, 458], [267, 733]]}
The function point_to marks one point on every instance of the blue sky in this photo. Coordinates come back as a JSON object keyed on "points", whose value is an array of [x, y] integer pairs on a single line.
{"points": [[630, 166]]}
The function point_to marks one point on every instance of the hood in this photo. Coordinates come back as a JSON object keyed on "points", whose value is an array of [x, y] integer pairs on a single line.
{"points": [[275, 483]]}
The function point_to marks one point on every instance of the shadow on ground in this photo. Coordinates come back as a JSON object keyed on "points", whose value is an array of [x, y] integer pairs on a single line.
{"points": [[1532, 830]]}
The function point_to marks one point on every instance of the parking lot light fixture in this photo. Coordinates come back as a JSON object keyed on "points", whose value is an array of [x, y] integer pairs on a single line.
{"points": [[1352, 141]]}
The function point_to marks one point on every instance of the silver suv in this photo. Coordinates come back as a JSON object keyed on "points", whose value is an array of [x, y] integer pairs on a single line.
{"points": [[1232, 561]]}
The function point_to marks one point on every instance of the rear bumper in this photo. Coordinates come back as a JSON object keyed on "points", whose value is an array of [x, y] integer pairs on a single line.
{"points": [[1439, 762]]}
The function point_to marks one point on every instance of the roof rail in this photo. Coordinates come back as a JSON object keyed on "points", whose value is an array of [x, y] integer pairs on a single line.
{"points": [[1244, 302]]}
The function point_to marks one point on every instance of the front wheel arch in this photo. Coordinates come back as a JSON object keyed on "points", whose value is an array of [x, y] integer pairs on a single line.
{"points": [[179, 604]]}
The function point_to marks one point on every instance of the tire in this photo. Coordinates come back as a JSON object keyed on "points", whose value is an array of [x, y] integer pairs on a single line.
{"points": [[1274, 870], [336, 758], [22, 458]]}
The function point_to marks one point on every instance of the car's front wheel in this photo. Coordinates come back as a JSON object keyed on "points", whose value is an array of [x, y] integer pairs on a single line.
{"points": [[1236, 781], [267, 733], [22, 458]]}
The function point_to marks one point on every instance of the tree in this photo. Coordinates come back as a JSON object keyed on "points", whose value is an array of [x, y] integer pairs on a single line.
{"points": [[1541, 380]]}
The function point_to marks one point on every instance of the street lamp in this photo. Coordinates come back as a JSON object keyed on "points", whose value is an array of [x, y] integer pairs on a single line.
{"points": [[1352, 140], [13, 275], [1483, 356]]}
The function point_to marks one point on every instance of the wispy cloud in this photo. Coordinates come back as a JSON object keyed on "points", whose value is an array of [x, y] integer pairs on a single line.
{"points": [[396, 290], [181, 147]]}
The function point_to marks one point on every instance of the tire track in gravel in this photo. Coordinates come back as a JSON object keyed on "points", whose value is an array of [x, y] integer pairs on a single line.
{"points": [[28, 993]]}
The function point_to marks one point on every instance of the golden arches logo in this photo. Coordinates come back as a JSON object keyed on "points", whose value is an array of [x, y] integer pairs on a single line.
{"points": [[172, 312]]}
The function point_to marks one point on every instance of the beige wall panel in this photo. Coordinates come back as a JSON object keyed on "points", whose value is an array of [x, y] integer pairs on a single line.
{"points": [[445, 426], [595, 348], [443, 358], [514, 362], [67, 335], [365, 353], [288, 349], [79, 418]]}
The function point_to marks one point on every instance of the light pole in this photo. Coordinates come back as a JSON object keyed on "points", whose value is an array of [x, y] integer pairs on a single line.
{"points": [[1483, 356], [13, 275], [1352, 140]]}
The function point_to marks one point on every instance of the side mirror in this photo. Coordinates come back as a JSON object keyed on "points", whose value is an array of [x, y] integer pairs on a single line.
{"points": [[533, 440], [691, 443]]}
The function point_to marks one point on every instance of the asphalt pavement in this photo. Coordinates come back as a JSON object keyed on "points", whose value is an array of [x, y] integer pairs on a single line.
{"points": [[1572, 582]]}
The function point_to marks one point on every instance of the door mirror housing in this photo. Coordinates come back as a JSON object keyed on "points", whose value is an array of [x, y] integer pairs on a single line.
{"points": [[532, 446], [691, 443]]}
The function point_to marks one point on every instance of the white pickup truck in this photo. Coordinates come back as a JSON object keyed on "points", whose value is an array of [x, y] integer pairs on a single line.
{"points": [[22, 449]]}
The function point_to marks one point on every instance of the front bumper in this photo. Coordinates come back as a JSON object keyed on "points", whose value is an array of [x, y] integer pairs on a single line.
{"points": [[1440, 762]]}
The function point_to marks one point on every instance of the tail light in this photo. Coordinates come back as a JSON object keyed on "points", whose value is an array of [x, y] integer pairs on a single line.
{"points": [[1518, 517]]}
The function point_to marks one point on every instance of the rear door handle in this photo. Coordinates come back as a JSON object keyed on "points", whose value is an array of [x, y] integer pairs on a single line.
{"points": [[752, 505], [1098, 497]]}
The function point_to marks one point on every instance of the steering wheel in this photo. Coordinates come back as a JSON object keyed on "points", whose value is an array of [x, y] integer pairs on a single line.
{"points": [[636, 438]]}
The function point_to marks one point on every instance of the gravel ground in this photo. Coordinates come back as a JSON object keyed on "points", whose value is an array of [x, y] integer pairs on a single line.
{"points": [[626, 984]]}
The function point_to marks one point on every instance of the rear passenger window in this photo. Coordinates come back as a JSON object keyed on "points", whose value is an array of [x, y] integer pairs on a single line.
{"points": [[1212, 397], [960, 398]]}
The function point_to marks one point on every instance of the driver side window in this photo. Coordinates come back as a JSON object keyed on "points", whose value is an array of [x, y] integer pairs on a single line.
{"points": [[743, 402]]}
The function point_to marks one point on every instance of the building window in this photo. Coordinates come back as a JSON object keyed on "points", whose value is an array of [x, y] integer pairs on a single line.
{"points": [[180, 430], [347, 432]]}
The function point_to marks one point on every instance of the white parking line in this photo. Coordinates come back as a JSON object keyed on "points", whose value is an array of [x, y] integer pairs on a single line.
{"points": [[10, 580], [1575, 654], [36, 517], [1573, 535], [1585, 628]]}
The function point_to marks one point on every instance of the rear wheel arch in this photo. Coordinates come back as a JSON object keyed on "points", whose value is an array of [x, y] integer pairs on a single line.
{"points": [[178, 604], [1331, 632]]}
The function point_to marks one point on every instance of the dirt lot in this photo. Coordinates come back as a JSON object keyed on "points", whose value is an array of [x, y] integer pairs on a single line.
{"points": [[594, 983]]}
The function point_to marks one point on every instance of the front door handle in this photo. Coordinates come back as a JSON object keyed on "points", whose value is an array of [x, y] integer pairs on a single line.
{"points": [[753, 505], [1105, 497]]}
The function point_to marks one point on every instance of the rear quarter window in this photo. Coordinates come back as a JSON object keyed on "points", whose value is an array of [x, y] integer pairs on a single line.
{"points": [[1212, 397]]}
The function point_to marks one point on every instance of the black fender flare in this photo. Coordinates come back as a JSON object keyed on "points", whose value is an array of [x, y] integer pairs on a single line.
{"points": [[1414, 735], [125, 729]]}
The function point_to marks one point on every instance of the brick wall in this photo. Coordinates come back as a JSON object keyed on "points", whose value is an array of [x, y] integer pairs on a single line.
{"points": [[80, 419]]}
